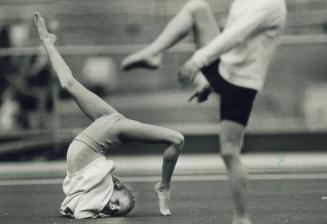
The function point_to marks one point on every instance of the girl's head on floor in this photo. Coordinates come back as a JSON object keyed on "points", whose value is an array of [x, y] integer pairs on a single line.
{"points": [[122, 200]]}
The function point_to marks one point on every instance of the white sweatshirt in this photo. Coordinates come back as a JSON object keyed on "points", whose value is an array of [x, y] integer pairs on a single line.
{"points": [[88, 190], [247, 44]]}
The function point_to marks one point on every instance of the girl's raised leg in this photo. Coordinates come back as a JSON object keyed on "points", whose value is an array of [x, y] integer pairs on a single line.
{"points": [[92, 105]]}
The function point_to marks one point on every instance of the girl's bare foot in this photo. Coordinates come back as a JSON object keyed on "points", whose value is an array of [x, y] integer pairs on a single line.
{"points": [[42, 29], [163, 197]]}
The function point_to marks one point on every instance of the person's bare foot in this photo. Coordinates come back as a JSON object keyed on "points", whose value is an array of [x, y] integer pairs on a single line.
{"points": [[163, 197], [141, 59], [42, 29]]}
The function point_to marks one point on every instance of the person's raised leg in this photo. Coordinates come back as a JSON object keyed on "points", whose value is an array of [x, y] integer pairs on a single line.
{"points": [[134, 131], [92, 105], [231, 140], [195, 16]]}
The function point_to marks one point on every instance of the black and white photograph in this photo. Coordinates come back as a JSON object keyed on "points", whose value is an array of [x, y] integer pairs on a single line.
{"points": [[163, 111]]}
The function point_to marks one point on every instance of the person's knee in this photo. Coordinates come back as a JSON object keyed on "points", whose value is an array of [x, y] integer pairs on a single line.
{"points": [[230, 153], [197, 6], [230, 157], [231, 142], [234, 167], [177, 139], [176, 143]]}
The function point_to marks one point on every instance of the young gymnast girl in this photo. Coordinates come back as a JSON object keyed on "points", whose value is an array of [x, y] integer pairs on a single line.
{"points": [[91, 190]]}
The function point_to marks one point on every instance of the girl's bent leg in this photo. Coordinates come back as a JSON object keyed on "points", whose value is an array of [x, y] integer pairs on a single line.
{"points": [[133, 131]]}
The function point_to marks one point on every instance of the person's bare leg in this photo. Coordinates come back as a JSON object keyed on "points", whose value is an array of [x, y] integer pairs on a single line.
{"points": [[195, 16], [92, 105], [130, 131], [231, 141]]}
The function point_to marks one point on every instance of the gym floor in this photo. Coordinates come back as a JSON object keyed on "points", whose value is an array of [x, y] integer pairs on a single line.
{"points": [[286, 188]]}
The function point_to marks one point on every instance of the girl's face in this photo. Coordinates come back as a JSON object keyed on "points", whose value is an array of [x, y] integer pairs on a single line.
{"points": [[119, 203]]}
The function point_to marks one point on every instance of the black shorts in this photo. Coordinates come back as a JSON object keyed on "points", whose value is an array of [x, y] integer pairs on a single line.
{"points": [[235, 101]]}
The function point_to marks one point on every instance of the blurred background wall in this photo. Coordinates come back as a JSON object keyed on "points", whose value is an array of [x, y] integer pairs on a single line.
{"points": [[132, 22], [292, 98]]}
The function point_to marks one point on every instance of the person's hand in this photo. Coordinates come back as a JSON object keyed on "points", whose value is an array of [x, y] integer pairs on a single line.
{"points": [[188, 71], [201, 94]]}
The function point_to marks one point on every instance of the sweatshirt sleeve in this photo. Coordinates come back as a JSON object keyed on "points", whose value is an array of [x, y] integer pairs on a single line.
{"points": [[258, 17]]}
